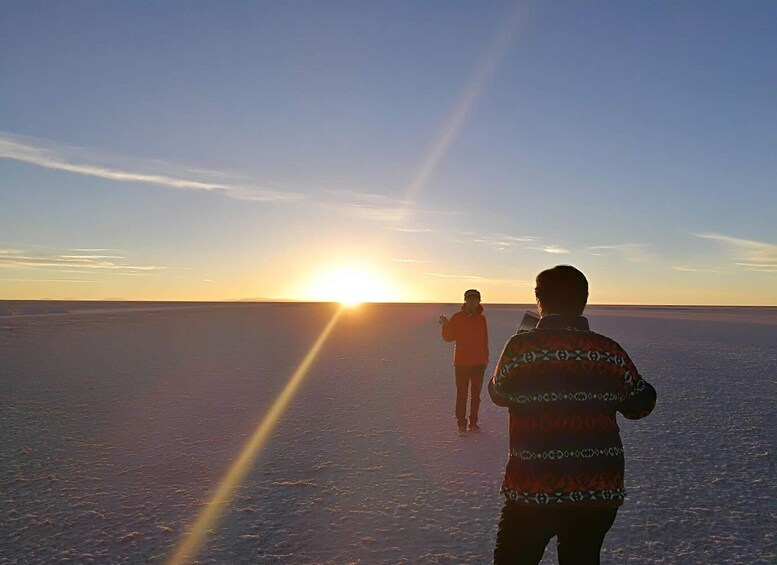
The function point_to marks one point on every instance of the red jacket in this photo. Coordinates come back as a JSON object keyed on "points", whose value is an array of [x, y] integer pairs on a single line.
{"points": [[471, 336]]}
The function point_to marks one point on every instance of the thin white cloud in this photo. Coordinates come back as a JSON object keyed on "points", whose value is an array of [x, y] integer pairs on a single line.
{"points": [[447, 276], [751, 255], [50, 280], [413, 230], [89, 162], [409, 260], [552, 249], [501, 242], [684, 269], [632, 252], [370, 198], [92, 256], [370, 206], [371, 213], [15, 258], [555, 250], [375, 207], [482, 280], [94, 250]]}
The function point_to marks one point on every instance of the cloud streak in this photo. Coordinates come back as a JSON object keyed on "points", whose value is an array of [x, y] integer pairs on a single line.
{"points": [[93, 163], [17, 258], [375, 207], [552, 249], [684, 269], [751, 255], [499, 241], [481, 280], [413, 230], [632, 252], [398, 260], [51, 280]]}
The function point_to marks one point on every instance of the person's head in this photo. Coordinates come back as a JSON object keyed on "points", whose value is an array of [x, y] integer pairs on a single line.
{"points": [[561, 290], [472, 299]]}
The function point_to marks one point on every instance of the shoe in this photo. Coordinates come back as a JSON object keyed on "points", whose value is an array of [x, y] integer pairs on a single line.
{"points": [[474, 428]]}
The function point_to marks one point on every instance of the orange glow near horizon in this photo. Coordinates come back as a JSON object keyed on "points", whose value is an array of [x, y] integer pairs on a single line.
{"points": [[188, 547]]}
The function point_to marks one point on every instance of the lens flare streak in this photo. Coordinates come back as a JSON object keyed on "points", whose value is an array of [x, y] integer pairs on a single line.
{"points": [[464, 104], [221, 498]]}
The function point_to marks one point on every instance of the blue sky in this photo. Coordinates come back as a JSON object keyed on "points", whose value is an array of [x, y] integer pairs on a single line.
{"points": [[206, 151]]}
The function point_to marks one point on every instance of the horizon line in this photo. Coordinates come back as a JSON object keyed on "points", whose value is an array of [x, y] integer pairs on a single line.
{"points": [[334, 302]]}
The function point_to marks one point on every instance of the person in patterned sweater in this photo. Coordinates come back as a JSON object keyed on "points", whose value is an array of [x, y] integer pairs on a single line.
{"points": [[563, 385]]}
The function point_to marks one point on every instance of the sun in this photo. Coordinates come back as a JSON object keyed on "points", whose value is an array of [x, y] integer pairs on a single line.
{"points": [[351, 286]]}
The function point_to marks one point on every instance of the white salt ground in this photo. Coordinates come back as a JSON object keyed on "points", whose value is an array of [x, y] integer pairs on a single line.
{"points": [[116, 425]]}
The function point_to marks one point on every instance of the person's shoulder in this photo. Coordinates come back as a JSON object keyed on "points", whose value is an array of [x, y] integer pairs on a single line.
{"points": [[522, 340], [605, 342]]}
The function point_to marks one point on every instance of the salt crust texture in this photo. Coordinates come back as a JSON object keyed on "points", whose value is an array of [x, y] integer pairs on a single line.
{"points": [[116, 424]]}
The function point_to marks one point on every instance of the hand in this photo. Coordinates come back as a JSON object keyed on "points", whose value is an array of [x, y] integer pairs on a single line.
{"points": [[443, 320]]}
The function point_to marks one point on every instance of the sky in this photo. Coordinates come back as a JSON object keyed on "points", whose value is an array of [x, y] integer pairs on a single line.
{"points": [[388, 150]]}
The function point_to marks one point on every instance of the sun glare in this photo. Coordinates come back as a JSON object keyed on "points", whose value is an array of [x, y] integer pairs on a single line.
{"points": [[351, 286]]}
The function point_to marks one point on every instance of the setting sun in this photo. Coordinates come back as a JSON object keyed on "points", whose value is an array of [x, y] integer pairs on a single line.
{"points": [[351, 286]]}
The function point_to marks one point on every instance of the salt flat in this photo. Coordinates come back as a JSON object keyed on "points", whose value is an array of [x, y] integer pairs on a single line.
{"points": [[118, 420]]}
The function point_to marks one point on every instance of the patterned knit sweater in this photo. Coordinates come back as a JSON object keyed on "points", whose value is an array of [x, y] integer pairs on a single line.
{"points": [[563, 385]]}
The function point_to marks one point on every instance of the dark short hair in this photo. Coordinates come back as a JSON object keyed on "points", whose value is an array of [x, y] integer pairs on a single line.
{"points": [[562, 290], [472, 292]]}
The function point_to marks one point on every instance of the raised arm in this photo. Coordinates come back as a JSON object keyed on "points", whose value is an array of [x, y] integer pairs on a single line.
{"points": [[447, 329]]}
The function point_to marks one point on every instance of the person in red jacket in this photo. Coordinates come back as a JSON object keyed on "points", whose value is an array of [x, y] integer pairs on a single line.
{"points": [[469, 330]]}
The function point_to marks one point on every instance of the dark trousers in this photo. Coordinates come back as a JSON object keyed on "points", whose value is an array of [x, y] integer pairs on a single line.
{"points": [[469, 378], [524, 532]]}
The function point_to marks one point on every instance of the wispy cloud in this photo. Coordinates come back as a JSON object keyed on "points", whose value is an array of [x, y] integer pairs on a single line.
{"points": [[684, 269], [95, 250], [552, 249], [449, 276], [751, 255], [409, 260], [481, 280], [67, 262], [92, 256], [370, 206], [631, 252], [376, 207], [50, 280], [96, 163], [498, 241], [413, 230]]}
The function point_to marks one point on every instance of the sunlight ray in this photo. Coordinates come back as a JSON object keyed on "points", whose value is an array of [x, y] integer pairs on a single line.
{"points": [[221, 498], [471, 93]]}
